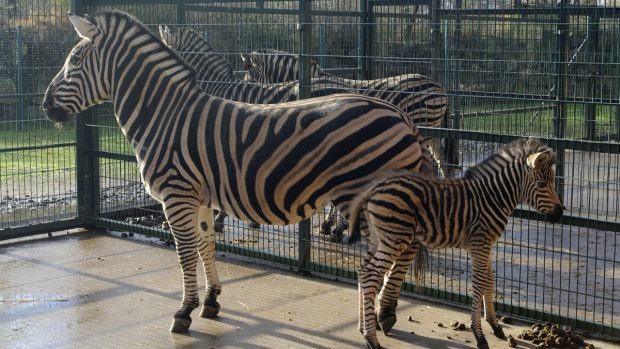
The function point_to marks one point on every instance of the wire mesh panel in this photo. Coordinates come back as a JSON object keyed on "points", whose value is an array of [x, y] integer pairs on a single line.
{"points": [[37, 161]]}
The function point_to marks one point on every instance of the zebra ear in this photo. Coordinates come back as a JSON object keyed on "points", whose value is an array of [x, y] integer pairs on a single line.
{"points": [[164, 34], [245, 58], [83, 27], [536, 160], [256, 60]]}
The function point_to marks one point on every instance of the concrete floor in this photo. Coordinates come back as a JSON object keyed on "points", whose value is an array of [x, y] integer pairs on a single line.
{"points": [[97, 290]]}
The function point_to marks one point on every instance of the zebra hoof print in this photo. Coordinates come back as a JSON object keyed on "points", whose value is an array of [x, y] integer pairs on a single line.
{"points": [[180, 325]]}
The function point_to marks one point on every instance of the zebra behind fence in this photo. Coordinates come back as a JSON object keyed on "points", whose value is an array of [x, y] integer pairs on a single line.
{"points": [[423, 99], [270, 66], [273, 164], [407, 212], [215, 76]]}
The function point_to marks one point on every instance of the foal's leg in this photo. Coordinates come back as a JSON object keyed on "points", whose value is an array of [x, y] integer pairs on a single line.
{"points": [[480, 256], [206, 249], [488, 303], [390, 292], [182, 217], [370, 275]]}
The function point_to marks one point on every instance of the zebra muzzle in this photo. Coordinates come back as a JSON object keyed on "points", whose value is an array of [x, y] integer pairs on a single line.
{"points": [[555, 214]]}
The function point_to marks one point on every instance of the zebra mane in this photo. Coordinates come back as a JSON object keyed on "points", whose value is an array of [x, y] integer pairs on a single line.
{"points": [[185, 34], [517, 150], [103, 20]]}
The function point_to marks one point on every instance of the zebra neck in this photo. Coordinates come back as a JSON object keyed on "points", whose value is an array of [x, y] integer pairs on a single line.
{"points": [[144, 99], [500, 186]]}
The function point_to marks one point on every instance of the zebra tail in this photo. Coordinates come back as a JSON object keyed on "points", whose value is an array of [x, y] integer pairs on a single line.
{"points": [[420, 264], [355, 233]]}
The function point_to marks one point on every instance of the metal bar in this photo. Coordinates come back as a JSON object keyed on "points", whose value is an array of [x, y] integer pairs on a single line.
{"points": [[557, 10], [37, 147], [305, 27], [591, 47], [19, 78], [589, 146], [362, 40], [39, 228]]}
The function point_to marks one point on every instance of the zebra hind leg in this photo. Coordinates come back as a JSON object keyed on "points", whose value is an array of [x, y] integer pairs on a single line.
{"points": [[206, 250], [480, 257], [182, 218], [390, 292], [488, 304]]}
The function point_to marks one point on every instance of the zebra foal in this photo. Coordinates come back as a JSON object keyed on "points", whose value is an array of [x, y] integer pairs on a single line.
{"points": [[272, 164], [407, 213]]}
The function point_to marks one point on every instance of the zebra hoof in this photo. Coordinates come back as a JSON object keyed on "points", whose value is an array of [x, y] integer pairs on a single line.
{"points": [[498, 332], [373, 345], [387, 324], [210, 311], [180, 325], [386, 319], [483, 344]]}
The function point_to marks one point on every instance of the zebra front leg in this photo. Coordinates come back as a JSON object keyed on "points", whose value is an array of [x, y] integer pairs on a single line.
{"points": [[480, 257], [182, 218], [390, 292], [206, 249], [489, 307]]}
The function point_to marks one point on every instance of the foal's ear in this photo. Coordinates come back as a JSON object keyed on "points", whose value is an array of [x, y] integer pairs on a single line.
{"points": [[536, 160], [85, 28]]}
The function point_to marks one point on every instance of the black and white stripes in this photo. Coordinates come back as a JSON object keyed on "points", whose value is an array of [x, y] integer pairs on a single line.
{"points": [[273, 164], [407, 213]]}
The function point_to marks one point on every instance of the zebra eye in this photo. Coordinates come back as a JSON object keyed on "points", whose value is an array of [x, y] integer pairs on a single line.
{"points": [[75, 60], [541, 184]]}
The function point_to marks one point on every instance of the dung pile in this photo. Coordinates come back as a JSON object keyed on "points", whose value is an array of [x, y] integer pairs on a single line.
{"points": [[550, 335]]}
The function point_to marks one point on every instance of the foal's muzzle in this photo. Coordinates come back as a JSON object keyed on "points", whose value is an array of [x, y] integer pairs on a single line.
{"points": [[555, 214]]}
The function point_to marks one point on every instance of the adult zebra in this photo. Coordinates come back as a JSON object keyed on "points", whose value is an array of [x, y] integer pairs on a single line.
{"points": [[215, 76], [423, 99], [272, 164], [269, 66], [407, 212]]}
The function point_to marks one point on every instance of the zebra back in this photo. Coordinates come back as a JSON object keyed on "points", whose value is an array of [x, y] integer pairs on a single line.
{"points": [[422, 98], [270, 66], [445, 209], [205, 61], [198, 54]]}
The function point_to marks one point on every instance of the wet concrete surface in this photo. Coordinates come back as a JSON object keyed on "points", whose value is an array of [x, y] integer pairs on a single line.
{"points": [[96, 290]]}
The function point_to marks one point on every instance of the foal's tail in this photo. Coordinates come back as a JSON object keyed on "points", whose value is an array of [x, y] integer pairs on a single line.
{"points": [[359, 201]]}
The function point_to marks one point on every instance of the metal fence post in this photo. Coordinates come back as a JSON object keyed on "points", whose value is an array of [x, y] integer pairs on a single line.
{"points": [[561, 70], [19, 75], [590, 108], [363, 41], [87, 165], [305, 28]]}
